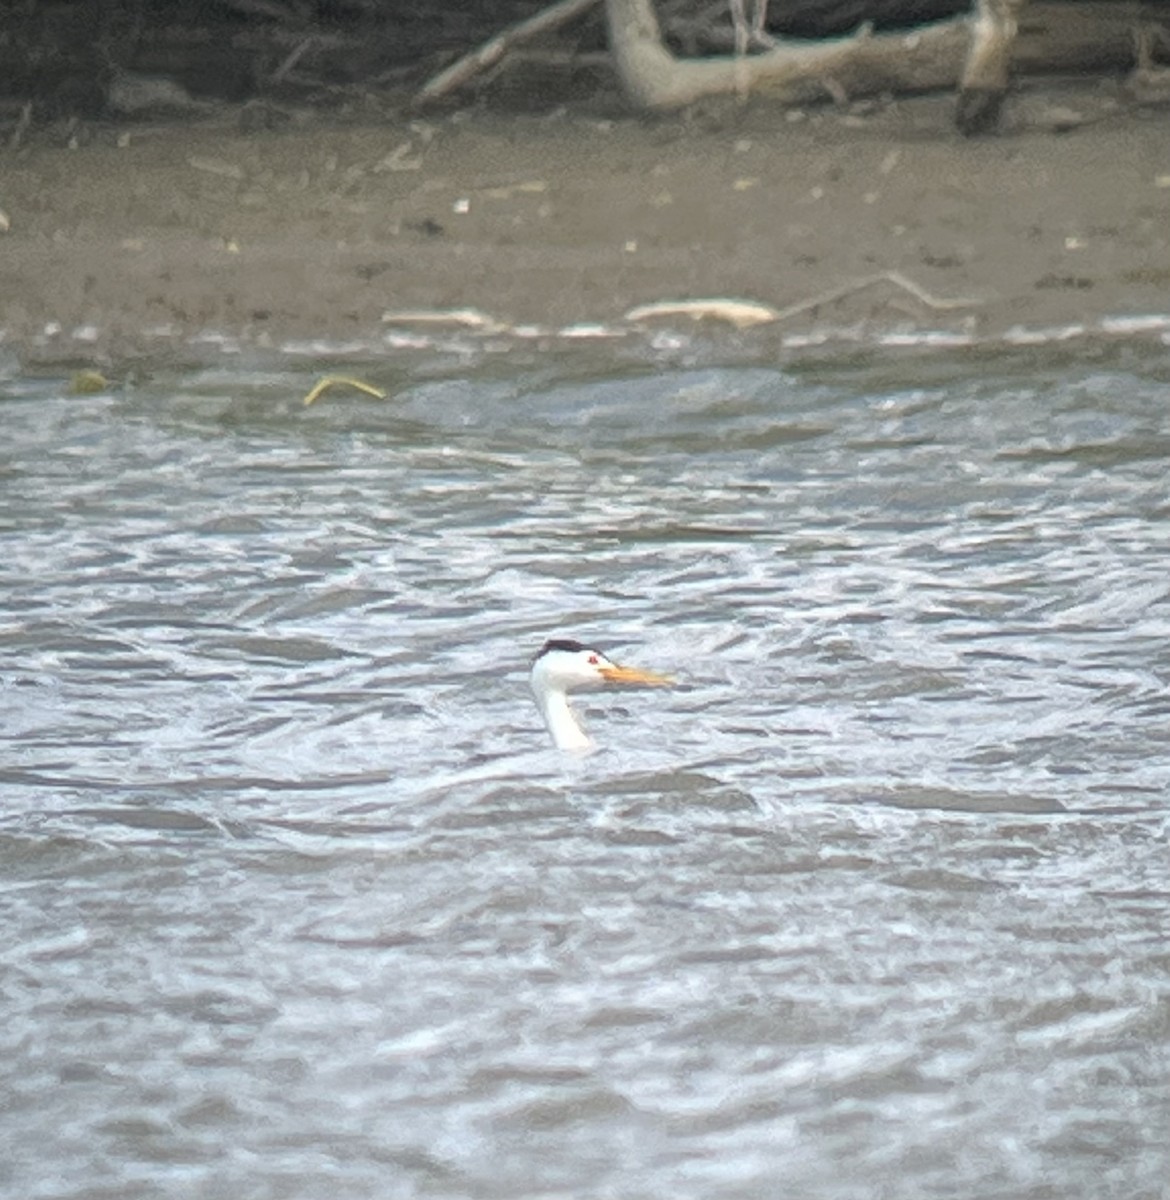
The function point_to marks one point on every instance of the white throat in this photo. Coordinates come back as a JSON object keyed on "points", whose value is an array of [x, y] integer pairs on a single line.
{"points": [[562, 723]]}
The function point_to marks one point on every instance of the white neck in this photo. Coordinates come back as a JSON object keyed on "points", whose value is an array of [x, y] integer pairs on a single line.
{"points": [[562, 724]]}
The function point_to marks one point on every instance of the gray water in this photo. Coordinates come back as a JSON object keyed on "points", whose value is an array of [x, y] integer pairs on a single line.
{"points": [[296, 901]]}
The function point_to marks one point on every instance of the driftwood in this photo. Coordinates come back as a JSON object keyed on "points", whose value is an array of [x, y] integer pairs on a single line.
{"points": [[491, 52], [1149, 83], [18, 130], [1053, 37], [794, 73], [666, 53], [745, 313]]}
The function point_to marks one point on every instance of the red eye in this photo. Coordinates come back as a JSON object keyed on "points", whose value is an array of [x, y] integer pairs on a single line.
{"points": [[593, 660]]}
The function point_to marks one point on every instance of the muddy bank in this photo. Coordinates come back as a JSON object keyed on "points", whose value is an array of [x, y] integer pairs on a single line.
{"points": [[147, 237]]}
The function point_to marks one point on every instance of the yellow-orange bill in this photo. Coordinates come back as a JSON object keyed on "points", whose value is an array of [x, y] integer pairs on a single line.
{"points": [[635, 675]]}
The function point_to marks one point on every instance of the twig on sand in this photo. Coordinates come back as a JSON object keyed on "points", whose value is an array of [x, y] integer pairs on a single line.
{"points": [[745, 313], [490, 53], [740, 313], [848, 289], [332, 381], [460, 318]]}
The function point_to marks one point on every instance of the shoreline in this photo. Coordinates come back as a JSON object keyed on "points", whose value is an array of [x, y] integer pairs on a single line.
{"points": [[866, 224], [453, 334]]}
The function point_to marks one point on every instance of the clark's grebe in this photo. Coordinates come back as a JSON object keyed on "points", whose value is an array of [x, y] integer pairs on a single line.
{"points": [[564, 666]]}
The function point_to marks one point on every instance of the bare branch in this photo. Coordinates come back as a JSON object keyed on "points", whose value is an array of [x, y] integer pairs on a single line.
{"points": [[491, 52]]}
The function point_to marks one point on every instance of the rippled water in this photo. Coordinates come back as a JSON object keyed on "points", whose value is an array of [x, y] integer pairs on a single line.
{"points": [[295, 900]]}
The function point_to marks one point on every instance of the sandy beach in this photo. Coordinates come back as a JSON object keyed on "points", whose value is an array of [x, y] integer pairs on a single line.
{"points": [[140, 238]]}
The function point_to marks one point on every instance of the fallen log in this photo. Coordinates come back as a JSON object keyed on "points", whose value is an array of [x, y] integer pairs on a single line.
{"points": [[1053, 37]]}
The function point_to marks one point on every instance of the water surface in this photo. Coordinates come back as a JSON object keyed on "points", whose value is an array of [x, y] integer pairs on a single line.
{"points": [[296, 901]]}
